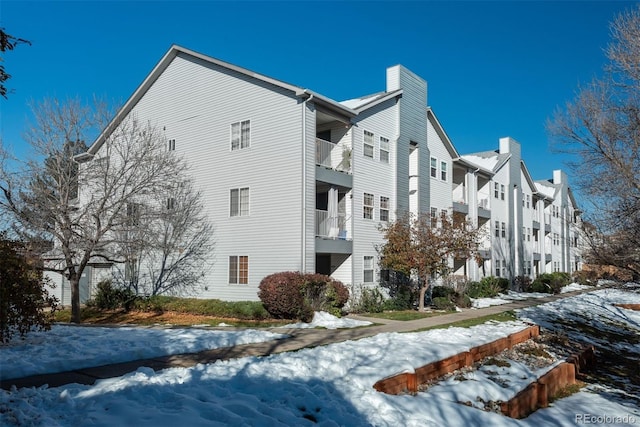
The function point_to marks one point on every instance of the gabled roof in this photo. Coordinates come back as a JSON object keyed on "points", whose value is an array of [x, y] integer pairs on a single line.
{"points": [[547, 188], [490, 160], [176, 50], [369, 101], [441, 133], [527, 176]]}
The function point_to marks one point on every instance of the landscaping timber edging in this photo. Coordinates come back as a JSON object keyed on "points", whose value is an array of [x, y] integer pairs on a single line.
{"points": [[537, 394], [408, 382]]}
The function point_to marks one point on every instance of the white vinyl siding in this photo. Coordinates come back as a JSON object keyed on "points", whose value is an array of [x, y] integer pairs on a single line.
{"points": [[240, 135]]}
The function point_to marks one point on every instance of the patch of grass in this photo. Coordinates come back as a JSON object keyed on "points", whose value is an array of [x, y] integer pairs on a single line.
{"points": [[497, 362], [121, 317], [504, 316], [248, 310], [567, 391], [402, 315], [534, 350]]}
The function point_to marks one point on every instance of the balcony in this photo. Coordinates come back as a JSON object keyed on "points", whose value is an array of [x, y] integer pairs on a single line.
{"points": [[484, 210], [536, 225], [331, 233], [330, 227], [461, 207], [333, 156]]}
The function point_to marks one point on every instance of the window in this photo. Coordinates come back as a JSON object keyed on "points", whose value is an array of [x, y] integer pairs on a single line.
{"points": [[498, 268], [556, 239], [367, 209], [434, 167], [434, 217], [497, 228], [240, 135], [504, 230], [172, 145], [368, 269], [239, 269], [443, 171], [528, 201], [239, 202], [524, 233], [133, 214], [384, 208], [527, 268], [367, 149], [528, 234], [384, 150], [171, 203], [501, 192], [496, 190]]}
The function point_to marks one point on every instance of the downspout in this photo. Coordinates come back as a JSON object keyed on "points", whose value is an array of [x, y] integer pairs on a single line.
{"points": [[304, 184], [516, 233]]}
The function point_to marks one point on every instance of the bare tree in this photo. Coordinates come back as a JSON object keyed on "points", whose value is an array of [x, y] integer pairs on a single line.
{"points": [[7, 42], [423, 246], [79, 202], [167, 242], [601, 130]]}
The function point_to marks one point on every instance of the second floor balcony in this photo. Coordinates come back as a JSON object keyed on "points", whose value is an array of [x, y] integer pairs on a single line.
{"points": [[333, 156]]}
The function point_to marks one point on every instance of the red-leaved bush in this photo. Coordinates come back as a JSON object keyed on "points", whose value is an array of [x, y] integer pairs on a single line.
{"points": [[294, 295]]}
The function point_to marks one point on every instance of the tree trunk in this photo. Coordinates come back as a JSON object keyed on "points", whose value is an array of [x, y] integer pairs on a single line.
{"points": [[75, 298], [423, 291]]}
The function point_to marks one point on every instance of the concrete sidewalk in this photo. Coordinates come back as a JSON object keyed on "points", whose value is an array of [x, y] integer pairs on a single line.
{"points": [[298, 338]]}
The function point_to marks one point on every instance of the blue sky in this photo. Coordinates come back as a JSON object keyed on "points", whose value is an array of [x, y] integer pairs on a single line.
{"points": [[494, 69]]}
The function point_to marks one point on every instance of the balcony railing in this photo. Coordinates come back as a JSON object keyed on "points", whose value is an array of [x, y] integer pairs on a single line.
{"points": [[333, 156], [483, 203], [331, 227]]}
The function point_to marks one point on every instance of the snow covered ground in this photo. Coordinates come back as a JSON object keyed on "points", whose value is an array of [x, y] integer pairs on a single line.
{"points": [[66, 348], [329, 385], [518, 296]]}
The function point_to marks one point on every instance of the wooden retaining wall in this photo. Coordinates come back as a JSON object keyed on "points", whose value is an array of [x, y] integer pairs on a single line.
{"points": [[537, 394], [408, 382], [635, 307]]}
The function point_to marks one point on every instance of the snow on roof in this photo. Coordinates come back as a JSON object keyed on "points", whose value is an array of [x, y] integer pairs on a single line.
{"points": [[546, 188], [487, 160], [359, 102]]}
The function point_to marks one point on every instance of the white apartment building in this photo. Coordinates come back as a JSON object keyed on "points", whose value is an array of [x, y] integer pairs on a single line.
{"points": [[293, 180]]}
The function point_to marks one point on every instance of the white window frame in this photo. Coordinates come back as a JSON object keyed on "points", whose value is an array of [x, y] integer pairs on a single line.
{"points": [[384, 209], [368, 141], [501, 191], [368, 209], [237, 280], [434, 167], [367, 268], [243, 140], [503, 230], [434, 217], [172, 145], [443, 171], [496, 190], [384, 150], [238, 209]]}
